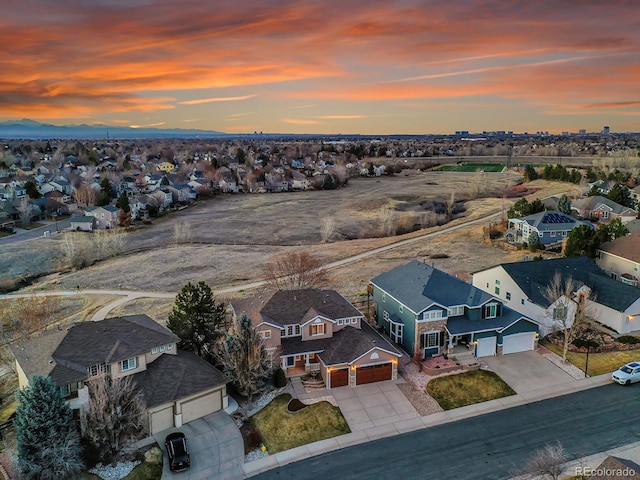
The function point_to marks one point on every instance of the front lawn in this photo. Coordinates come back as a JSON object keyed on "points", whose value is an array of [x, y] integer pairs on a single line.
{"points": [[282, 430], [467, 388], [599, 363]]}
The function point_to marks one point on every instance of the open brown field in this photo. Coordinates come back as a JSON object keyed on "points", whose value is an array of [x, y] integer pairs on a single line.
{"points": [[232, 237]]}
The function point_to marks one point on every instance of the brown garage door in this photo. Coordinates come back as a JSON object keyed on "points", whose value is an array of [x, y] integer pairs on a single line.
{"points": [[373, 373], [340, 378]]}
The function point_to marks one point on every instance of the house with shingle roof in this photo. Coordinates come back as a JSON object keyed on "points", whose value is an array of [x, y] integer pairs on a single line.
{"points": [[428, 312], [313, 330], [522, 287], [620, 259], [601, 209], [176, 386], [105, 216], [551, 226]]}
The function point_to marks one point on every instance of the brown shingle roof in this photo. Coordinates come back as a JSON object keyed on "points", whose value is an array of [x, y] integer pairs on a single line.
{"points": [[288, 307], [626, 247], [172, 377], [612, 466]]}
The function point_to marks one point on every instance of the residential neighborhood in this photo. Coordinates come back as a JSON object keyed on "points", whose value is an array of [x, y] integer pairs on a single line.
{"points": [[440, 307]]}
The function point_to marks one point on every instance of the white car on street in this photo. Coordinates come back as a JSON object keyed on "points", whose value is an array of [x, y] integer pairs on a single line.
{"points": [[629, 373]]}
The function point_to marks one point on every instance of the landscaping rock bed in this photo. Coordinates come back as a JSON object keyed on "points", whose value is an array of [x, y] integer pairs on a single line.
{"points": [[439, 365]]}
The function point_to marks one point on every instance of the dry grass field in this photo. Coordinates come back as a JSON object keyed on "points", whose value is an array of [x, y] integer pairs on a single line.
{"points": [[232, 237]]}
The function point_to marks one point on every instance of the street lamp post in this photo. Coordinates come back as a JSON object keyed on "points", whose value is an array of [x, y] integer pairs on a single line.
{"points": [[586, 365]]}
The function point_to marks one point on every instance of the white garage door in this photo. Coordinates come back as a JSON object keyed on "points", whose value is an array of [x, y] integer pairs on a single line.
{"points": [[201, 406], [486, 347], [161, 420], [518, 342]]}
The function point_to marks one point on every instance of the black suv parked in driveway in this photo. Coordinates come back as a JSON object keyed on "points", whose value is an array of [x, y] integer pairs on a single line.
{"points": [[178, 452]]}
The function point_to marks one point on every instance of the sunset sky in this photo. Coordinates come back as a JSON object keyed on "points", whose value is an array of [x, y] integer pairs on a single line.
{"points": [[319, 66]]}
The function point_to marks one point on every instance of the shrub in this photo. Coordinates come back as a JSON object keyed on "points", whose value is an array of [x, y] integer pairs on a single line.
{"points": [[295, 405], [628, 339], [279, 378], [580, 343], [254, 438]]}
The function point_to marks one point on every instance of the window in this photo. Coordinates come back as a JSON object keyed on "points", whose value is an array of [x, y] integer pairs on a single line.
{"points": [[154, 350], [265, 334], [497, 282], [432, 315], [129, 364], [508, 294], [456, 311], [289, 330], [297, 329], [95, 370], [354, 321], [560, 312], [65, 390], [553, 234], [491, 310], [395, 331], [317, 329], [432, 339], [385, 315], [401, 308], [564, 233], [384, 297], [170, 346], [340, 322], [497, 290], [163, 348]]}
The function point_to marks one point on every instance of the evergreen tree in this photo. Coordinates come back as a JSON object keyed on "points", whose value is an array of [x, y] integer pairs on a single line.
{"points": [[32, 189], [616, 229], [47, 439], [197, 319], [564, 205], [245, 359], [620, 194], [106, 193], [530, 173], [580, 242], [123, 202], [594, 191], [534, 242]]}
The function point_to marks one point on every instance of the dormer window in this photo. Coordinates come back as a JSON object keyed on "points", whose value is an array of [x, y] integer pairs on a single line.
{"points": [[163, 348], [129, 364], [154, 350], [317, 329], [491, 310], [95, 370]]}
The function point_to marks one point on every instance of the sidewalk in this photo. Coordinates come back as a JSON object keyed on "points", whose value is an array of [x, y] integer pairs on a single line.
{"points": [[404, 426]]}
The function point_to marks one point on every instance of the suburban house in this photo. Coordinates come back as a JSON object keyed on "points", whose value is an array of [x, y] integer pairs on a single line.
{"points": [[522, 287], [176, 386], [428, 312], [314, 330], [551, 226], [84, 223], [601, 209], [106, 216], [620, 259]]}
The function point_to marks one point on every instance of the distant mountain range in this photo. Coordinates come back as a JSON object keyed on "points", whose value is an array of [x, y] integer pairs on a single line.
{"points": [[29, 129]]}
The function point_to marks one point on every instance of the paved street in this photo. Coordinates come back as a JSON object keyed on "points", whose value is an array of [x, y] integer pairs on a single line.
{"points": [[491, 446]]}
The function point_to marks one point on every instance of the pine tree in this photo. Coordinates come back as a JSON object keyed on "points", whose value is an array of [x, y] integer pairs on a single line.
{"points": [[564, 204], [196, 318], [47, 439], [123, 202], [245, 359]]}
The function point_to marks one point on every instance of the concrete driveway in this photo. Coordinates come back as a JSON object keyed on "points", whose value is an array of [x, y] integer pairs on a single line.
{"points": [[526, 371], [216, 447], [373, 405]]}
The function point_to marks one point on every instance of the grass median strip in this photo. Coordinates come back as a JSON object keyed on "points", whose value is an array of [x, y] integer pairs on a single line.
{"points": [[282, 430], [453, 391], [599, 363]]}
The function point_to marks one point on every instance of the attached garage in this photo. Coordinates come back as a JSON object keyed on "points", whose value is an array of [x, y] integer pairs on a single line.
{"points": [[518, 342], [486, 347], [374, 373], [201, 406], [161, 420], [340, 378]]}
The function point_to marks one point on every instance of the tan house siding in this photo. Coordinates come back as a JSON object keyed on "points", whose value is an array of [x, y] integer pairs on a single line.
{"points": [[347, 322], [169, 349], [271, 339], [308, 327], [116, 367]]}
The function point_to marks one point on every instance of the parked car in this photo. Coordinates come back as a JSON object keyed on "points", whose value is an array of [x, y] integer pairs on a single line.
{"points": [[629, 373], [7, 229], [179, 458]]}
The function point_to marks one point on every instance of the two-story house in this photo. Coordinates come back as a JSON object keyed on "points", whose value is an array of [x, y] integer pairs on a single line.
{"points": [[313, 330], [176, 386], [106, 216], [428, 312], [522, 287], [620, 259], [552, 227]]}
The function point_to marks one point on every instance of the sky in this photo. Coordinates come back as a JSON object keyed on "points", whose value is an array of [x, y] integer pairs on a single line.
{"points": [[324, 66]]}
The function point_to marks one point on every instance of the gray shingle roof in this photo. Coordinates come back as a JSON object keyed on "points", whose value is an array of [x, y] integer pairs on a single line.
{"points": [[172, 377], [418, 285], [551, 220], [533, 277], [462, 325], [64, 354], [289, 307], [591, 203], [345, 346]]}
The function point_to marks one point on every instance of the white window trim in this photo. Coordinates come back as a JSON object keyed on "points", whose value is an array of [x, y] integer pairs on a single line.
{"points": [[396, 331], [265, 333], [456, 311], [163, 348], [493, 306], [433, 334], [401, 308], [354, 321], [170, 346], [432, 315], [154, 350], [133, 360], [317, 327]]}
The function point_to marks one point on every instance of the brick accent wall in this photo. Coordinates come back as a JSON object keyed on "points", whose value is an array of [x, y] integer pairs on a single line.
{"points": [[423, 327]]}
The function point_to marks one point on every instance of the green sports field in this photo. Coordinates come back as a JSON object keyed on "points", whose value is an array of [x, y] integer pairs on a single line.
{"points": [[473, 167]]}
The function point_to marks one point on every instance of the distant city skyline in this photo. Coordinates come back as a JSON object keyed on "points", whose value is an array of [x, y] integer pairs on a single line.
{"points": [[328, 67]]}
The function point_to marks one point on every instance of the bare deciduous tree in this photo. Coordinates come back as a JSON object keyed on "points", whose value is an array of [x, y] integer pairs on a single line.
{"points": [[569, 307], [327, 228], [547, 461], [76, 249], [296, 270], [115, 414], [85, 195], [388, 221], [25, 209]]}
